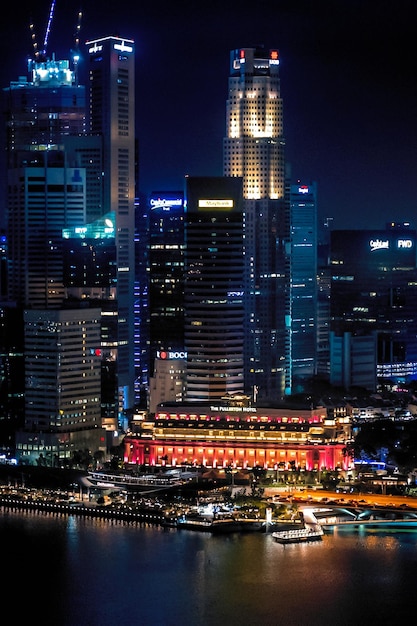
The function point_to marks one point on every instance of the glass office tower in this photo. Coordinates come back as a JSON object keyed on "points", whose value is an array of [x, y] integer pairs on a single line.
{"points": [[303, 268], [166, 273], [112, 116]]}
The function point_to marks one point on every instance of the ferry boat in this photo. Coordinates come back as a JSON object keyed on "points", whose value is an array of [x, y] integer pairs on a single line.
{"points": [[144, 482], [298, 535]]}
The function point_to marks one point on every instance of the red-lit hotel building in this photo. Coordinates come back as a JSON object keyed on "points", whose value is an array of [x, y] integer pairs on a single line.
{"points": [[243, 437]]}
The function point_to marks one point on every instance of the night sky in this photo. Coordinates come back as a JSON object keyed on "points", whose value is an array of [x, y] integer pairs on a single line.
{"points": [[348, 79]]}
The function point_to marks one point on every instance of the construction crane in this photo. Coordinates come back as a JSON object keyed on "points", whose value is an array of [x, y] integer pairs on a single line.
{"points": [[41, 55], [48, 28], [77, 31], [75, 53]]}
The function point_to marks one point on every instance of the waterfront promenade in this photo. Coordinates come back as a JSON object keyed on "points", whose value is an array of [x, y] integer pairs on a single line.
{"points": [[323, 507]]}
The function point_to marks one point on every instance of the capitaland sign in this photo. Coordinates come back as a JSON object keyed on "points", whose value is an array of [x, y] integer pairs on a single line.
{"points": [[379, 244], [215, 204]]}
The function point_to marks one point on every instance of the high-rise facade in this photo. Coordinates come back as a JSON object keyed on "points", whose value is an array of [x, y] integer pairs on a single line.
{"points": [[71, 223], [45, 190], [62, 390], [213, 291], [254, 150], [112, 116], [303, 288], [166, 273]]}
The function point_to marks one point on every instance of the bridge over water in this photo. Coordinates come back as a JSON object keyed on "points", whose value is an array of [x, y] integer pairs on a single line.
{"points": [[354, 516]]}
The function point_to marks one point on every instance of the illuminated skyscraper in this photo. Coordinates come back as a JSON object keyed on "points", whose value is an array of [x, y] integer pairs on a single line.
{"points": [[166, 273], [254, 150], [162, 315], [47, 192], [112, 116], [63, 179]]}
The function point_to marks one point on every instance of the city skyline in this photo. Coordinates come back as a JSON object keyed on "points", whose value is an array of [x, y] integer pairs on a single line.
{"points": [[349, 113]]}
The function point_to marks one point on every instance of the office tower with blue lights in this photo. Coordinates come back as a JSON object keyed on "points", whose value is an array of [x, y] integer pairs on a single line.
{"points": [[303, 288], [213, 291], [166, 256], [166, 273], [253, 149]]}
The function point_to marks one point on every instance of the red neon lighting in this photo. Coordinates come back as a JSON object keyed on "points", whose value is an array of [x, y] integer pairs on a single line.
{"points": [[242, 54], [274, 55]]}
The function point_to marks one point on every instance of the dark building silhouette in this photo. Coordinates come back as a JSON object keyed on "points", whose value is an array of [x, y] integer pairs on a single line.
{"points": [[213, 294], [373, 304]]}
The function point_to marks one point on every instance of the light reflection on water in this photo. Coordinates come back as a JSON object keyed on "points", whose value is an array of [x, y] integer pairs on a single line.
{"points": [[88, 572]]}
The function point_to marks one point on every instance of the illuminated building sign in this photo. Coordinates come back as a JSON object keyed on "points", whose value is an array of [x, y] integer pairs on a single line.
{"points": [[215, 204], [303, 189], [404, 244], [165, 203], [233, 409], [100, 229], [274, 60], [95, 48], [384, 244], [379, 244], [122, 47], [167, 355]]}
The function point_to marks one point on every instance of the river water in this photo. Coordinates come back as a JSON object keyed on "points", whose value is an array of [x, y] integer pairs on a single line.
{"points": [[73, 571]]}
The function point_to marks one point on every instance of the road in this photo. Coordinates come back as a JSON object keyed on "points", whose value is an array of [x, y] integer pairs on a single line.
{"points": [[312, 496]]}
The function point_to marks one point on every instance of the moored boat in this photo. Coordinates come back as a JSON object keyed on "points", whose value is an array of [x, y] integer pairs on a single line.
{"points": [[298, 535], [146, 482]]}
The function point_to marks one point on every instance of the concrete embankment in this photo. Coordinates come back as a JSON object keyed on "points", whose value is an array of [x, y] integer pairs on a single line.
{"points": [[140, 515]]}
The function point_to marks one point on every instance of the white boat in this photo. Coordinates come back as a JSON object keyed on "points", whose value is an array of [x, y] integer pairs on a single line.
{"points": [[146, 482], [298, 535]]}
